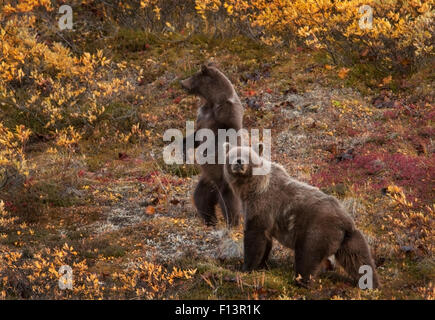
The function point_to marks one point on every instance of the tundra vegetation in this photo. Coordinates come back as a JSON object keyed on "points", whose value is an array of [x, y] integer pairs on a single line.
{"points": [[83, 112]]}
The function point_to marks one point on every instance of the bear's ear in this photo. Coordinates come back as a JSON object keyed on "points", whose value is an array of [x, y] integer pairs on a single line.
{"points": [[260, 149], [212, 64], [204, 69]]}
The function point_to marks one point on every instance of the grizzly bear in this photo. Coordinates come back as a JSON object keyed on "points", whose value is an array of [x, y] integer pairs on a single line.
{"points": [[299, 216], [222, 110]]}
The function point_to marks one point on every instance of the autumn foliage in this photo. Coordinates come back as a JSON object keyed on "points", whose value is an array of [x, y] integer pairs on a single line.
{"points": [[83, 112]]}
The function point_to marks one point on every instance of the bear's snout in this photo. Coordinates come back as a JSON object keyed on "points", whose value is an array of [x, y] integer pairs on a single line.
{"points": [[238, 167]]}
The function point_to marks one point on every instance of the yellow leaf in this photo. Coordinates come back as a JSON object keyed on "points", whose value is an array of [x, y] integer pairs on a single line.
{"points": [[387, 80], [343, 72], [150, 210]]}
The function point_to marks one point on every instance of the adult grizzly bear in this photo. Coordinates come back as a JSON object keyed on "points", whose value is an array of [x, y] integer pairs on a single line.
{"points": [[299, 216], [222, 110]]}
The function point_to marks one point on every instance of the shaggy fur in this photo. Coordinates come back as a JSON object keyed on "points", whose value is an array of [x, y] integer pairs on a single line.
{"points": [[222, 110], [299, 216]]}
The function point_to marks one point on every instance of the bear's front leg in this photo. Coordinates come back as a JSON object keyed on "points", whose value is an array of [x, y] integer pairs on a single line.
{"points": [[310, 251], [256, 244]]}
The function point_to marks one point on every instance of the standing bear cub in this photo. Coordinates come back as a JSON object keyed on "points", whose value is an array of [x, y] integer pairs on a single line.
{"points": [[222, 109], [299, 216]]}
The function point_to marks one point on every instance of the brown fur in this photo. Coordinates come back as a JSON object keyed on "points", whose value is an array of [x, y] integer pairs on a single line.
{"points": [[222, 110], [299, 216]]}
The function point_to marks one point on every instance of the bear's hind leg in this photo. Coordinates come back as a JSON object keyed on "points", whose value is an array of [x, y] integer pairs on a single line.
{"points": [[205, 198], [230, 204]]}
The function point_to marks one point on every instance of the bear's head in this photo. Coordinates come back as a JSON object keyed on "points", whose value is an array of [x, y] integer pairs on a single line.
{"points": [[242, 161], [209, 83]]}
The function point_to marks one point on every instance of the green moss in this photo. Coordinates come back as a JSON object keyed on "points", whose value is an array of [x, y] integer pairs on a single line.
{"points": [[247, 49], [182, 171], [322, 57], [134, 40], [115, 251]]}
